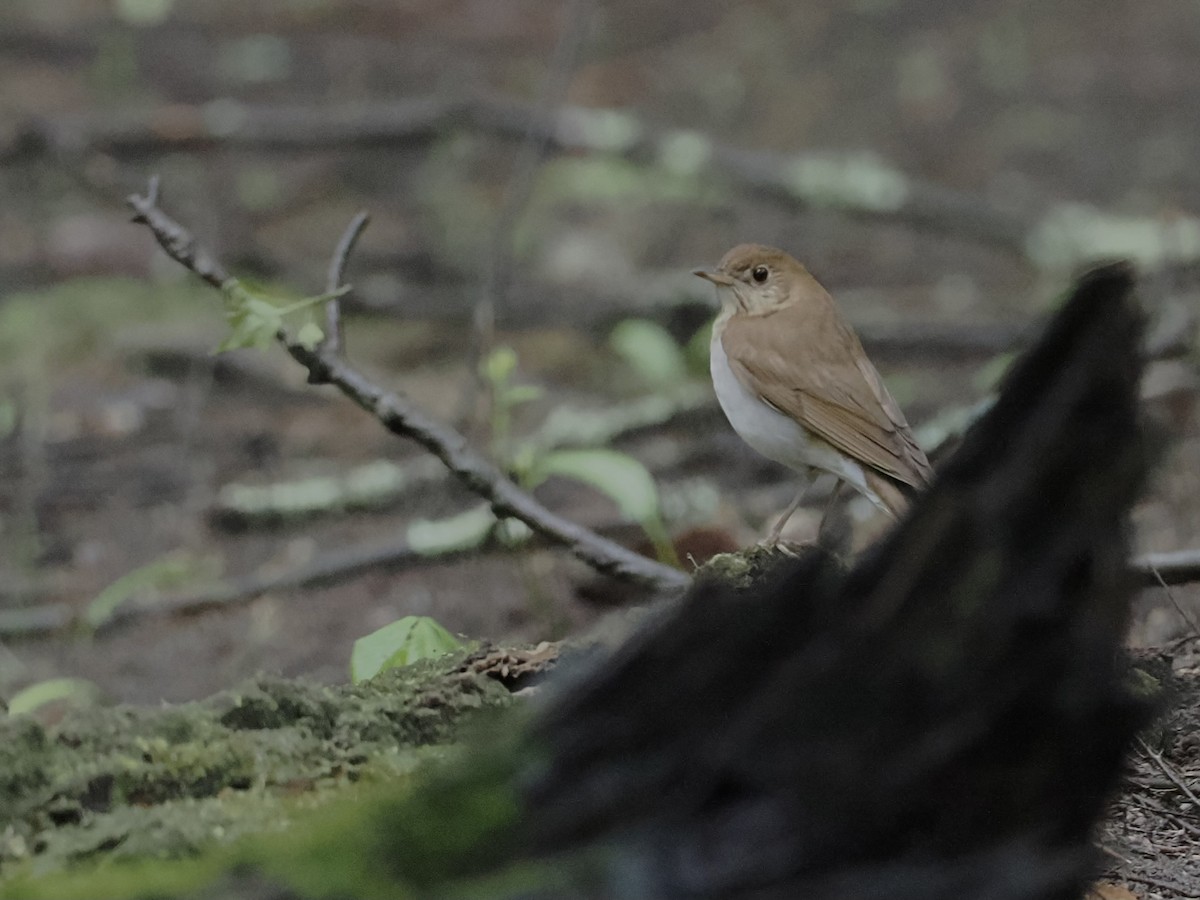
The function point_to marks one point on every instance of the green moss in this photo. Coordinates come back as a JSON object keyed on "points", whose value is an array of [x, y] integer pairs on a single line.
{"points": [[124, 783], [741, 568], [24, 749], [146, 879], [379, 838]]}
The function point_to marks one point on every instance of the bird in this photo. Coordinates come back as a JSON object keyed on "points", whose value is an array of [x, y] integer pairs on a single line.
{"points": [[794, 382]]}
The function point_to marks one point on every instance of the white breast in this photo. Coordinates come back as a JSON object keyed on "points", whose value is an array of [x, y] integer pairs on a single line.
{"points": [[773, 434]]}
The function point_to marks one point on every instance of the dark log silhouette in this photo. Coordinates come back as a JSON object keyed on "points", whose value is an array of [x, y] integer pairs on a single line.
{"points": [[944, 720]]}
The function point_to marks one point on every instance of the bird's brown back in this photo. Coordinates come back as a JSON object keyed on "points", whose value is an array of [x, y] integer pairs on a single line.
{"points": [[805, 360]]}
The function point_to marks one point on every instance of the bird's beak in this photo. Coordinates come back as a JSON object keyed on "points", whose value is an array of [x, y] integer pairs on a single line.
{"points": [[720, 279]]}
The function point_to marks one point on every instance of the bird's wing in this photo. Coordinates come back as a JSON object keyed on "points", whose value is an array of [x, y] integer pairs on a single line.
{"points": [[828, 386]]}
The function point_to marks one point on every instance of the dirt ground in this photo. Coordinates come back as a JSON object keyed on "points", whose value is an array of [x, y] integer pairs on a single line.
{"points": [[119, 430]]}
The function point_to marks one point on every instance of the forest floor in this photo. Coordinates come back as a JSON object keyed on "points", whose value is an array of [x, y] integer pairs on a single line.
{"points": [[123, 438]]}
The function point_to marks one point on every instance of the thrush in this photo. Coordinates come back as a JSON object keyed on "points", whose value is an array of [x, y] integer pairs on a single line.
{"points": [[793, 380]]}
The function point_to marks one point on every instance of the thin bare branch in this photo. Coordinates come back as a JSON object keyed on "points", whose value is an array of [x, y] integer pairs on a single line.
{"points": [[334, 341], [405, 418], [175, 239]]}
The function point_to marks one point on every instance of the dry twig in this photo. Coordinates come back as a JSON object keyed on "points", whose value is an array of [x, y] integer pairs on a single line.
{"points": [[1167, 769], [334, 339], [403, 417]]}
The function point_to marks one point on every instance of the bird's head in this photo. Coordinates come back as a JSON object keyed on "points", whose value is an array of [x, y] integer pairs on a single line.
{"points": [[756, 279]]}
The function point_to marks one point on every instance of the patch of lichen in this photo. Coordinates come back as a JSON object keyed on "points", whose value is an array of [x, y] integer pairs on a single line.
{"points": [[127, 783], [744, 568]]}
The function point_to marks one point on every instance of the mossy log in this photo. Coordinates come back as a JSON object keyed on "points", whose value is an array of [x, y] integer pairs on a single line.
{"points": [[125, 782]]}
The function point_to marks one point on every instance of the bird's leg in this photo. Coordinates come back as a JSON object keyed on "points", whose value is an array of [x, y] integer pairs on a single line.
{"points": [[829, 504], [772, 540]]}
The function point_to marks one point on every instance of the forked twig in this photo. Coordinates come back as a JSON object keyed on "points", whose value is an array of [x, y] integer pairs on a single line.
{"points": [[334, 341], [405, 418]]}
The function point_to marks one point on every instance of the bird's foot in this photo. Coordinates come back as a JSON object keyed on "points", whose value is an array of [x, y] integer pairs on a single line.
{"points": [[775, 544]]}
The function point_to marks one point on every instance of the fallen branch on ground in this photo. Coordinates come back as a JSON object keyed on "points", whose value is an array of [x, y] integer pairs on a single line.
{"points": [[326, 568]]}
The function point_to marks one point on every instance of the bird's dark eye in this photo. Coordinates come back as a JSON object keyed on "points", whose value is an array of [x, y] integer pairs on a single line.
{"points": [[760, 274]]}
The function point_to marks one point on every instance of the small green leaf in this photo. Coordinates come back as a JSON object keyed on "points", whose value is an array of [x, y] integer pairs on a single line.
{"points": [[77, 691], [310, 335], [649, 350], [399, 644], [255, 320], [173, 569], [461, 532], [500, 364], [521, 461], [617, 475], [307, 302], [513, 532]]}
